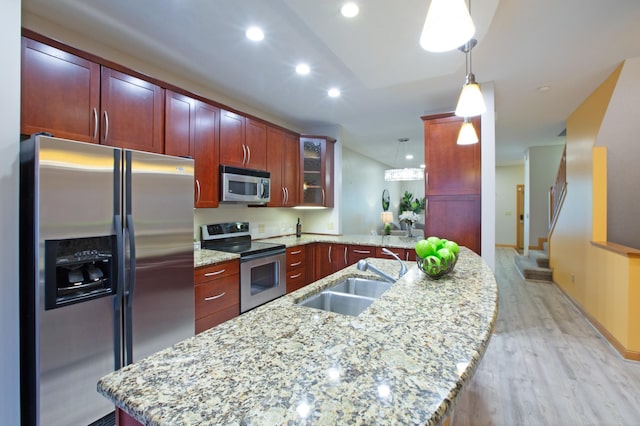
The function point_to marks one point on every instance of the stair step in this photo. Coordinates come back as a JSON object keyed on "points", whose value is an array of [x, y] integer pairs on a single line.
{"points": [[543, 262], [533, 269]]}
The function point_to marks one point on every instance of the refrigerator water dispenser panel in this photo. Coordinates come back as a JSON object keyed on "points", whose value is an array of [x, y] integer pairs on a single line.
{"points": [[79, 269]]}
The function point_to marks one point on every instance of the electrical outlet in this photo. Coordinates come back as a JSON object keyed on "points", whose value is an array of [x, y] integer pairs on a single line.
{"points": [[330, 226], [507, 213], [261, 228], [573, 278]]}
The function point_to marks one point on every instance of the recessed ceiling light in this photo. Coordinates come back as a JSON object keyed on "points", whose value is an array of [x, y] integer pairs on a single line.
{"points": [[423, 166], [409, 156], [333, 92], [349, 10], [303, 69], [254, 34], [544, 88]]}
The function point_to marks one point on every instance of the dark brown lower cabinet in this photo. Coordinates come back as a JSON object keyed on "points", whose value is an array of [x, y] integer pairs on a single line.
{"points": [[217, 294], [456, 218], [330, 258]]}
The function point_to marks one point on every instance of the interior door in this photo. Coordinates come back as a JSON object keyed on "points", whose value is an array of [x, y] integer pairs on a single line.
{"points": [[520, 217]]}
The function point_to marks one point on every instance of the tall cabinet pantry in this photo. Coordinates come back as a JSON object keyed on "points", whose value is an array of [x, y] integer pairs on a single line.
{"points": [[452, 182]]}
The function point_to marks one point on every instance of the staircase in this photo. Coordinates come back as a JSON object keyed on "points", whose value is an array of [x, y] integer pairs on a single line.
{"points": [[534, 267]]}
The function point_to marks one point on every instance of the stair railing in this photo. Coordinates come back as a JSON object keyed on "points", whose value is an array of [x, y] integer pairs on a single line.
{"points": [[558, 191]]}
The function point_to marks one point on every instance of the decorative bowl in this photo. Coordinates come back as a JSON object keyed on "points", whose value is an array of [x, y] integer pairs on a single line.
{"points": [[435, 270]]}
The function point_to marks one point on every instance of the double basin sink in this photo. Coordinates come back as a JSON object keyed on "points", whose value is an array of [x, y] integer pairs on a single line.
{"points": [[350, 296]]}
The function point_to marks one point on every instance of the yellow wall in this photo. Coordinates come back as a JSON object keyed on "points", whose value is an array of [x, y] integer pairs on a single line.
{"points": [[605, 284]]}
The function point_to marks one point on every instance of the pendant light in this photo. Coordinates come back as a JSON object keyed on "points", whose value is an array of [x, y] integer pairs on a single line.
{"points": [[470, 102], [406, 173], [467, 134], [448, 26]]}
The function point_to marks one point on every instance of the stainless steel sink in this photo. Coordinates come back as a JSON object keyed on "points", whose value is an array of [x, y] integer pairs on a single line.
{"points": [[350, 296], [341, 303], [362, 287]]}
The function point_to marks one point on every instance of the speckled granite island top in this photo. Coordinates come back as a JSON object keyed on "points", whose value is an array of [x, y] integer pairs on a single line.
{"points": [[401, 361]]}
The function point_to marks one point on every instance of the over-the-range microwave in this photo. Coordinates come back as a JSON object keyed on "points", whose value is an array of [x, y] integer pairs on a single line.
{"points": [[238, 185]]}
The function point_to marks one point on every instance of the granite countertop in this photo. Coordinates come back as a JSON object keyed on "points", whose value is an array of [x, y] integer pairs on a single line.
{"points": [[206, 257], [401, 361]]}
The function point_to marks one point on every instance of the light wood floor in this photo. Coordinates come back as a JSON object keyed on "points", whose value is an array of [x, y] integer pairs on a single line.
{"points": [[546, 365]]}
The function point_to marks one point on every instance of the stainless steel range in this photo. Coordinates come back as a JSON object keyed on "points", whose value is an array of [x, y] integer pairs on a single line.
{"points": [[262, 265]]}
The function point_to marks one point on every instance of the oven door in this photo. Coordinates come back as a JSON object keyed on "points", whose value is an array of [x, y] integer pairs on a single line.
{"points": [[262, 279]]}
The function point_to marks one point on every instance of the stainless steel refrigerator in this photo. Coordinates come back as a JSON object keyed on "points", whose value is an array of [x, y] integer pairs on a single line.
{"points": [[106, 270]]}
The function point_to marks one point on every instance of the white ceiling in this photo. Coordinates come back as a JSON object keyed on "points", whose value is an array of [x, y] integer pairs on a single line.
{"points": [[387, 80]]}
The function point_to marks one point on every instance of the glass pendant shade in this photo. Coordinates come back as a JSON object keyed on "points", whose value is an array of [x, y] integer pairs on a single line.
{"points": [[448, 26], [470, 102], [467, 135]]}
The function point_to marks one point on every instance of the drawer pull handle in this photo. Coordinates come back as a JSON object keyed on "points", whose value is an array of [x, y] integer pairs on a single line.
{"points": [[293, 277], [206, 299], [210, 274], [296, 264], [296, 252], [362, 251]]}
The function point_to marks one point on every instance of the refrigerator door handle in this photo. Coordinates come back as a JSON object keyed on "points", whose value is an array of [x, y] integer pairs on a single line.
{"points": [[117, 301], [132, 258]]}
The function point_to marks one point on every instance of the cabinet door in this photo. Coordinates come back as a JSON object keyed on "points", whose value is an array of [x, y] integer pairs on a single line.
{"points": [[60, 93], [455, 217], [132, 112], [323, 260], [450, 168], [180, 112], [283, 160], [316, 165], [206, 155], [232, 135], [256, 145], [275, 156], [330, 258], [290, 168]]}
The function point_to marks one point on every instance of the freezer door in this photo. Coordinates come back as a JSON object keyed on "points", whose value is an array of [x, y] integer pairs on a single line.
{"points": [[74, 194], [159, 292]]}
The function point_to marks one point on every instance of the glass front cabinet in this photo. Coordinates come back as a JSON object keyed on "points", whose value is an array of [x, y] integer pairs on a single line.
{"points": [[316, 169]]}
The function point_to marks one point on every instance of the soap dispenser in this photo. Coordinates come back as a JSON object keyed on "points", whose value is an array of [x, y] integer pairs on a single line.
{"points": [[298, 229]]}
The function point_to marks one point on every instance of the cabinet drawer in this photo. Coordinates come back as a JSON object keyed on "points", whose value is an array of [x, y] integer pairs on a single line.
{"points": [[296, 257], [208, 273], [217, 317], [216, 295], [360, 252], [296, 278]]}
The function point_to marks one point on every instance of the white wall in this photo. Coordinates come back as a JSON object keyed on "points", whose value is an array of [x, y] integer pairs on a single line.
{"points": [[362, 186], [9, 175], [507, 177], [488, 199]]}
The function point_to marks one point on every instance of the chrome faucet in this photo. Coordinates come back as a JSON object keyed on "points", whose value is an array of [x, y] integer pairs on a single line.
{"points": [[363, 265]]}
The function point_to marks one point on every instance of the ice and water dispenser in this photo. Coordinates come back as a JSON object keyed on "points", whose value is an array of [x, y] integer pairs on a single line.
{"points": [[79, 269]]}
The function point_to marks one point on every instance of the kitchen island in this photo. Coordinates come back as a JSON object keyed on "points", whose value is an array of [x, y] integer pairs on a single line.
{"points": [[403, 360]]}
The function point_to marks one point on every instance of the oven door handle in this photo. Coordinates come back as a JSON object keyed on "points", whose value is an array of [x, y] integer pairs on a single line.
{"points": [[262, 255]]}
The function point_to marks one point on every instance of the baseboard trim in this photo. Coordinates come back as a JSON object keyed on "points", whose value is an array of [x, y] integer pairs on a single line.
{"points": [[615, 343], [507, 246]]}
